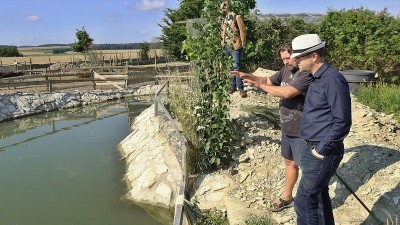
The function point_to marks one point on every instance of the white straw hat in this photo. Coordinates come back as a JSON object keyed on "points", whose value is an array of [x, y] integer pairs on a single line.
{"points": [[306, 43]]}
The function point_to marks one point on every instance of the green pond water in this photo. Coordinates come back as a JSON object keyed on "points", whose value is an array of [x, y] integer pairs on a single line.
{"points": [[64, 167]]}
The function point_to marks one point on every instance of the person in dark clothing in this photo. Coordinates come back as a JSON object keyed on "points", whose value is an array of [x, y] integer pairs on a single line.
{"points": [[291, 85], [325, 123]]}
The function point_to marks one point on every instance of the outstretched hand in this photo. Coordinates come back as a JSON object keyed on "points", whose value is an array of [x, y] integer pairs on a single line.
{"points": [[252, 83], [247, 78], [241, 74]]}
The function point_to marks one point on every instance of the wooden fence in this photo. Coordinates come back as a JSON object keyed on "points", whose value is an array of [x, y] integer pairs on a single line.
{"points": [[24, 63], [52, 80], [88, 77]]}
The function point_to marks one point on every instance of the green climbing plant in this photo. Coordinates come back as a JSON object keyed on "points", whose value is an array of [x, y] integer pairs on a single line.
{"points": [[213, 126]]}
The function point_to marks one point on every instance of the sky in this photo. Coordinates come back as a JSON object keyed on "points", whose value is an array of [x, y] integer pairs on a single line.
{"points": [[37, 22]]}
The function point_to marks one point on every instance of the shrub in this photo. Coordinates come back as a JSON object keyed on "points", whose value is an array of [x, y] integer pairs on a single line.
{"points": [[61, 50], [213, 217], [363, 39], [268, 35]]}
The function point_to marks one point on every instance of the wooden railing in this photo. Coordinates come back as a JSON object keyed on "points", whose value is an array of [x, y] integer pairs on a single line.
{"points": [[93, 77], [51, 80]]}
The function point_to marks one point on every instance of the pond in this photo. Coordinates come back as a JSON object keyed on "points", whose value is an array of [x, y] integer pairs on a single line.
{"points": [[64, 167]]}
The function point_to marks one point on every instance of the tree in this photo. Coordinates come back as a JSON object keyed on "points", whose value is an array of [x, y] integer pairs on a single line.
{"points": [[84, 43], [174, 26], [9, 51], [144, 50], [270, 33]]}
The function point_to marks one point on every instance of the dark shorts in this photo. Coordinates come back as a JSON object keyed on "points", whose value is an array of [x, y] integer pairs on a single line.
{"points": [[291, 148]]}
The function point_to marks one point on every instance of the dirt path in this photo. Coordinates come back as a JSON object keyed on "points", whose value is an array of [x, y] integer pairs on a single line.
{"points": [[370, 166]]}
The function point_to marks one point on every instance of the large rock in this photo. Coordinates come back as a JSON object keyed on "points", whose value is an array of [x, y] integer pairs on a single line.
{"points": [[153, 171], [209, 190]]}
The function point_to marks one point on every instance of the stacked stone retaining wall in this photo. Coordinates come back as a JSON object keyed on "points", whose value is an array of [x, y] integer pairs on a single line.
{"points": [[17, 105]]}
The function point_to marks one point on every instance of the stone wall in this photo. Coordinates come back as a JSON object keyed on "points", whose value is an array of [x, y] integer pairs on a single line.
{"points": [[17, 105], [153, 170]]}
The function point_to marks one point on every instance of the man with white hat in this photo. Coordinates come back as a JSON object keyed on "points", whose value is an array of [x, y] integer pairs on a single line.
{"points": [[325, 123], [291, 86]]}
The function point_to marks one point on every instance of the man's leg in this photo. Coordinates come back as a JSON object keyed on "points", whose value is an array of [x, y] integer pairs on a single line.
{"points": [[325, 212], [288, 145], [236, 55], [233, 85], [229, 51], [291, 175], [312, 202], [292, 166]]}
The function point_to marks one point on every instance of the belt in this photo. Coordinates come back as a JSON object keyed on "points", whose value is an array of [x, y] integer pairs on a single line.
{"points": [[311, 143]]}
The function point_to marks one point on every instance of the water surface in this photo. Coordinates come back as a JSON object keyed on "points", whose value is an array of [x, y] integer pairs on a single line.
{"points": [[63, 167]]}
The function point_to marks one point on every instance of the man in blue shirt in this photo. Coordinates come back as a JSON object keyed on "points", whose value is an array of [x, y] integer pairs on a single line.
{"points": [[291, 85], [325, 123]]}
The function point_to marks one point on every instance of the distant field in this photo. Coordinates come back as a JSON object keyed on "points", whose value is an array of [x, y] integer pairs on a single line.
{"points": [[44, 55]]}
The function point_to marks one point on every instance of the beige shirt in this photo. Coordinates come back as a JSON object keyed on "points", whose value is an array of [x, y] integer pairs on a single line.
{"points": [[233, 31]]}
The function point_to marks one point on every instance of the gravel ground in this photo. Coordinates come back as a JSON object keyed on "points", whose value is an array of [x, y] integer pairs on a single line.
{"points": [[370, 167]]}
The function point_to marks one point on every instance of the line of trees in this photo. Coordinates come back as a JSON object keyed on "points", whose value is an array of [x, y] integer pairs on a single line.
{"points": [[356, 39], [125, 46], [106, 46]]}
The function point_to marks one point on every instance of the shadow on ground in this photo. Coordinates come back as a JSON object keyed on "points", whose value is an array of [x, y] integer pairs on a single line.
{"points": [[366, 162]]}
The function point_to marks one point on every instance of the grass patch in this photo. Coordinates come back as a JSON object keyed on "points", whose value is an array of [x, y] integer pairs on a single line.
{"points": [[259, 220], [183, 98], [211, 217], [382, 97]]}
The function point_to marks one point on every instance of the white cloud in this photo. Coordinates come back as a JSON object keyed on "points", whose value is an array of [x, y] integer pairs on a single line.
{"points": [[150, 4], [143, 32], [32, 18]]}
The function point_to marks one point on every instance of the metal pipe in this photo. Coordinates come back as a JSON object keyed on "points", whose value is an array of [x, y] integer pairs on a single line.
{"points": [[358, 199]]}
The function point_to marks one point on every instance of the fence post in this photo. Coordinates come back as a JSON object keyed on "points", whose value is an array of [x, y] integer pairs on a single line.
{"points": [[49, 88], [126, 75], [30, 65], [93, 79], [155, 63]]}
